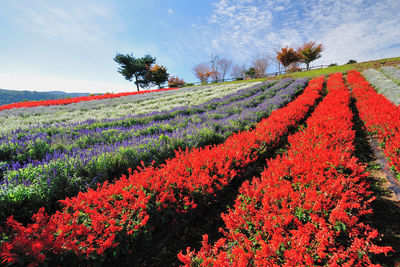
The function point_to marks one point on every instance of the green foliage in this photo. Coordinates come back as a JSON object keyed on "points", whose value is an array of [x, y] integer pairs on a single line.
{"points": [[157, 75], [138, 68], [251, 72], [351, 61]]}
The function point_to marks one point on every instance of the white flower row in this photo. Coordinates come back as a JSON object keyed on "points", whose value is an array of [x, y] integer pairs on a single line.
{"points": [[383, 85], [392, 72], [40, 110], [25, 118]]}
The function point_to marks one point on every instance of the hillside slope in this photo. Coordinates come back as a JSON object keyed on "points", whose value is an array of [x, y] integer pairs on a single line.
{"points": [[13, 96]]}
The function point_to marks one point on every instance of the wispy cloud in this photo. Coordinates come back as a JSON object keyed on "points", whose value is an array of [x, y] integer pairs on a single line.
{"points": [[347, 28], [170, 11], [66, 21], [237, 25]]}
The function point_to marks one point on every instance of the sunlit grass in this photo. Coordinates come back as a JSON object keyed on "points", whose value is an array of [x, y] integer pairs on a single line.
{"points": [[325, 71]]}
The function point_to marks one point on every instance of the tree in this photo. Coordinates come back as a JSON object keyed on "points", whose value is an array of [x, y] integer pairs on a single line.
{"points": [[215, 68], [288, 56], [260, 64], [310, 52], [351, 61], [131, 67], [219, 67], [157, 75], [175, 82], [224, 66], [202, 71], [238, 71], [251, 72]]}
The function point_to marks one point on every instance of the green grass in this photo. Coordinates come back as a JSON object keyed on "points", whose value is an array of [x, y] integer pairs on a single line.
{"points": [[325, 71], [343, 68]]}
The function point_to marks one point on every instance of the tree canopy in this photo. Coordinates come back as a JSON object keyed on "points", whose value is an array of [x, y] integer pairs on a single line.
{"points": [[157, 75], [138, 68], [202, 71], [310, 51], [288, 56], [175, 82]]}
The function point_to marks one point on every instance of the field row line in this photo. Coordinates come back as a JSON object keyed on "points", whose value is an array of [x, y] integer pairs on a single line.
{"points": [[101, 221], [306, 207]]}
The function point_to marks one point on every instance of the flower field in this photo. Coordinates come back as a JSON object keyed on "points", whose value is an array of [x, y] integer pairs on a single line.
{"points": [[385, 82], [45, 164], [381, 117], [306, 206], [392, 72], [111, 108], [304, 202], [57, 102]]}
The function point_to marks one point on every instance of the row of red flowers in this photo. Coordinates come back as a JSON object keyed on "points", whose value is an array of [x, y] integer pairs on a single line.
{"points": [[305, 208], [30, 104], [97, 221], [381, 117]]}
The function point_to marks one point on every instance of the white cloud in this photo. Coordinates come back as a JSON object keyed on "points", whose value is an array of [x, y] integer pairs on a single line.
{"points": [[170, 11], [46, 83], [279, 8], [353, 29], [239, 26], [66, 21], [348, 29]]}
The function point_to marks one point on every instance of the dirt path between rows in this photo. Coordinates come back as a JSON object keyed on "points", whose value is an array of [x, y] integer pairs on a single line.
{"points": [[385, 188], [390, 182], [386, 207]]}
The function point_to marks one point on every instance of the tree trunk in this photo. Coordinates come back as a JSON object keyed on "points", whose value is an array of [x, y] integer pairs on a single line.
{"points": [[137, 85], [308, 66]]}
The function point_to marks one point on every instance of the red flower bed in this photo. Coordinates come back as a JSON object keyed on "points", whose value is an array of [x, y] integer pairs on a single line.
{"points": [[30, 104], [100, 219], [305, 208], [381, 117]]}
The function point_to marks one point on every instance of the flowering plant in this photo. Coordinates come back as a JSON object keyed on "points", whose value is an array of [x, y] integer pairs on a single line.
{"points": [[29, 104], [305, 209], [97, 221]]}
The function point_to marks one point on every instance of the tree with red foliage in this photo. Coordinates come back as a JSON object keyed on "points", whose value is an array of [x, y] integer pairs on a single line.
{"points": [[310, 51], [176, 82], [288, 56], [202, 71]]}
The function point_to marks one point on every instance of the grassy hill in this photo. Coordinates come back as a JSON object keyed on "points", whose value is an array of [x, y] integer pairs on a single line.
{"points": [[340, 68], [13, 96]]}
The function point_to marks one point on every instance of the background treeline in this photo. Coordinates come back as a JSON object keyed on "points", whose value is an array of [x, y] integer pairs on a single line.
{"points": [[13, 96], [286, 60]]}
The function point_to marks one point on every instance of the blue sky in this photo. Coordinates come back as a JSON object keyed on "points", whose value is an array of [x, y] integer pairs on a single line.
{"points": [[69, 45]]}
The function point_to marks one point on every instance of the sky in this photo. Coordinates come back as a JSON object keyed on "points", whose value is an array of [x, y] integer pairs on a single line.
{"points": [[49, 45]]}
